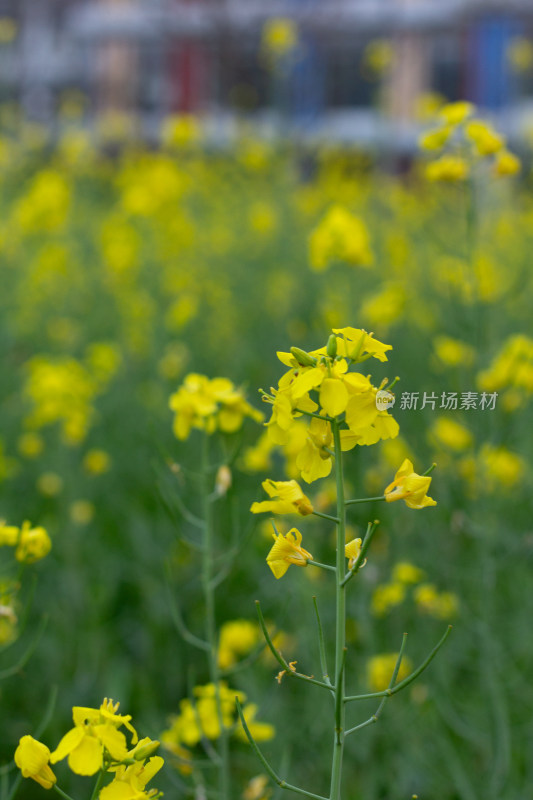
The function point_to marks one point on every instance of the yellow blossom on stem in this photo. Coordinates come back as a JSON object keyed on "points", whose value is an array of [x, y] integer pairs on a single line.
{"points": [[95, 731], [288, 499], [314, 460], [130, 780], [352, 550], [409, 486], [32, 758], [287, 550]]}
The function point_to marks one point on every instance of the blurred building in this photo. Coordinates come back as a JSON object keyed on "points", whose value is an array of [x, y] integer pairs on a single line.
{"points": [[357, 65]]}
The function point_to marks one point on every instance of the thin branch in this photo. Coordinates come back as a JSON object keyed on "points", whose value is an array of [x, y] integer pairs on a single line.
{"points": [[281, 783], [321, 565], [410, 678], [326, 516], [364, 500], [406, 681], [376, 715], [313, 414], [184, 632], [25, 657], [279, 658]]}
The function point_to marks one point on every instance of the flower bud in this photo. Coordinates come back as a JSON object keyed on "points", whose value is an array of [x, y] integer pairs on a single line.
{"points": [[147, 750], [303, 358], [331, 348]]}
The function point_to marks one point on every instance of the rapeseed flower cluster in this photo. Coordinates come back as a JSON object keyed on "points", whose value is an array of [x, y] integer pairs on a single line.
{"points": [[96, 745], [463, 141], [340, 236], [209, 405], [407, 581], [199, 718]]}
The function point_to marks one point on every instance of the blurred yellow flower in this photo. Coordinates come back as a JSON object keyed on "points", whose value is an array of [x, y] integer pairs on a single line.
{"points": [[381, 667], [386, 596], [97, 462], [279, 37], [449, 169], [453, 352], [442, 605], [81, 511], [339, 236], [457, 113], [404, 572], [30, 445], [451, 434], [209, 405], [50, 484], [32, 544], [506, 164], [237, 638]]}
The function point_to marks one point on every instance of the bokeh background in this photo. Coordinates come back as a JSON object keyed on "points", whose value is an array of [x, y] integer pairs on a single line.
{"points": [[189, 187]]}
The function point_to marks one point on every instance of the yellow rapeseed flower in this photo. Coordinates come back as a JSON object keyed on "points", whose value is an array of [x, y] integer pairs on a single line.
{"points": [[32, 758], [352, 550], [130, 780], [285, 551], [95, 732], [411, 487], [288, 499]]}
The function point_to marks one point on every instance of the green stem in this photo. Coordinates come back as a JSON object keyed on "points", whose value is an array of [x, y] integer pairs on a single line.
{"points": [[406, 681], [281, 783], [374, 718], [321, 645], [210, 618], [279, 658], [321, 565], [323, 417], [98, 783], [340, 626], [326, 516], [364, 500], [56, 788]]}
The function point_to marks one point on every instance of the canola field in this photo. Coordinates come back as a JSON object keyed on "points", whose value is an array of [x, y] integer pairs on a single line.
{"points": [[265, 410]]}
